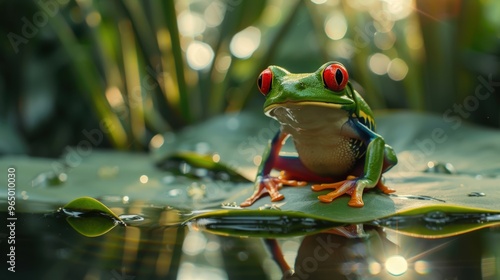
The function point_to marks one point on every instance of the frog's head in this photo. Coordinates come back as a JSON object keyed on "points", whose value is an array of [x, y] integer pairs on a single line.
{"points": [[327, 87]]}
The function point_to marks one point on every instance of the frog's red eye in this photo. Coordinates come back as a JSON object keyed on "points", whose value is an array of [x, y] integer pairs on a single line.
{"points": [[335, 77], [264, 82]]}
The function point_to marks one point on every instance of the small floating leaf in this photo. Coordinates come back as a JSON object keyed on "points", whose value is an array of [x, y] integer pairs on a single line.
{"points": [[90, 217], [91, 226]]}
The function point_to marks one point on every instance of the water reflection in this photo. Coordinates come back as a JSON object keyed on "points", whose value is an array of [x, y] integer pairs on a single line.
{"points": [[155, 244]]}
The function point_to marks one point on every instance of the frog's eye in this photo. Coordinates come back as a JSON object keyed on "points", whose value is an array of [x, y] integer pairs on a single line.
{"points": [[335, 77], [264, 81]]}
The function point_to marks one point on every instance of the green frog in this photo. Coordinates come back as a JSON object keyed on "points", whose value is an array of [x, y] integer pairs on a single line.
{"points": [[333, 131]]}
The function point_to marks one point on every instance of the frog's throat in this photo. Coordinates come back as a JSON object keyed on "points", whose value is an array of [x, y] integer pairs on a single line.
{"points": [[271, 107]]}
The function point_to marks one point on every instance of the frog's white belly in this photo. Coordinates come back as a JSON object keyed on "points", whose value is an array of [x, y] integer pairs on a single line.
{"points": [[321, 136]]}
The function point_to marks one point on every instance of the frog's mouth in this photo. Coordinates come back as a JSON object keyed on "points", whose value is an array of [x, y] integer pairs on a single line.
{"points": [[269, 109]]}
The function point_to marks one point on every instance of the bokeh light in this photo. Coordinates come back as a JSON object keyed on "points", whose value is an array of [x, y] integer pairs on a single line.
{"points": [[398, 9], [214, 14], [199, 55], [245, 42], [421, 267], [190, 24], [396, 265], [378, 63], [194, 243], [374, 268], [336, 26], [384, 40], [397, 69], [144, 179]]}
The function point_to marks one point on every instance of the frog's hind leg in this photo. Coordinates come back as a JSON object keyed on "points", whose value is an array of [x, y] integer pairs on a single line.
{"points": [[354, 185], [390, 160], [385, 189]]}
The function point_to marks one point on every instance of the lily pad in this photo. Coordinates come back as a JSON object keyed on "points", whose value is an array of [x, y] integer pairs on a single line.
{"points": [[471, 150]]}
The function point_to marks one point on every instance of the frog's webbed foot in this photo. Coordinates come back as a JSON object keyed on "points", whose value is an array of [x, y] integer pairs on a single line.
{"points": [[385, 189], [271, 185], [352, 186]]}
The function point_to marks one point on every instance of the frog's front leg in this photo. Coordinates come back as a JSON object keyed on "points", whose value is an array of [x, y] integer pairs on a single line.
{"points": [[379, 158], [267, 184]]}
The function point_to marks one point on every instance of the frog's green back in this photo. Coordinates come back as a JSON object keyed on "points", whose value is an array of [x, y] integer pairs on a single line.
{"points": [[363, 111]]}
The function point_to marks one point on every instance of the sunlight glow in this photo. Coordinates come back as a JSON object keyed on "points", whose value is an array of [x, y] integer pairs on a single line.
{"points": [[421, 267], [398, 9], [191, 24], [216, 157], [397, 69], [114, 96], [194, 243], [144, 179], [396, 265], [374, 268], [214, 14], [222, 63], [157, 141], [378, 63], [245, 42], [384, 40], [336, 26], [199, 55]]}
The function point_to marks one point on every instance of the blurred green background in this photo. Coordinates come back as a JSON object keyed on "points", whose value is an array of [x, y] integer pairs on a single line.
{"points": [[134, 69]]}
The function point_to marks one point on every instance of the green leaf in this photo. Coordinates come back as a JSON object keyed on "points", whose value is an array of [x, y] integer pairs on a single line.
{"points": [[90, 217]]}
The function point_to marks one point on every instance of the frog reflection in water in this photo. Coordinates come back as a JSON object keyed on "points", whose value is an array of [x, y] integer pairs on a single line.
{"points": [[333, 130]]}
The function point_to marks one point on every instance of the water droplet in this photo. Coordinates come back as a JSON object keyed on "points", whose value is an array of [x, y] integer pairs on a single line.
{"points": [[476, 194], [114, 199], [174, 192], [437, 217], [49, 179], [184, 168], [131, 218], [439, 167], [230, 205], [272, 206]]}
